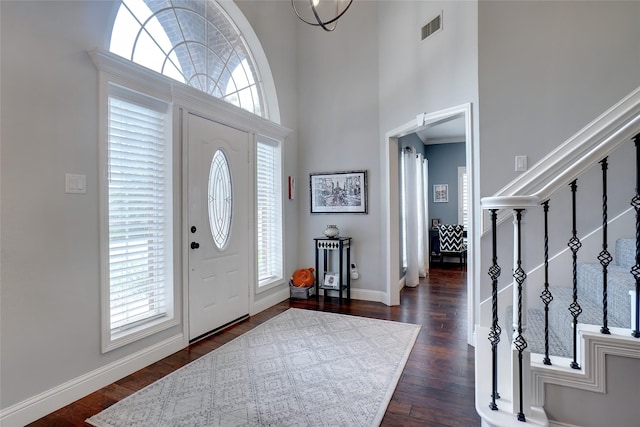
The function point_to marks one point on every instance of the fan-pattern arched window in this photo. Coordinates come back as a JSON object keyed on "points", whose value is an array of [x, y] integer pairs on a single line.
{"points": [[194, 42]]}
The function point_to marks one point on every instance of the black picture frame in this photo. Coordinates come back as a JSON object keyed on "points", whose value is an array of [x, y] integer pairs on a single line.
{"points": [[338, 192]]}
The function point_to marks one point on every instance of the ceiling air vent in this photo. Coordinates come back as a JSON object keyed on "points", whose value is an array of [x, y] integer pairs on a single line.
{"points": [[432, 27]]}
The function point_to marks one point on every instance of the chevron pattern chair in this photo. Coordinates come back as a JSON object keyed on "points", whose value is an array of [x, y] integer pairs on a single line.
{"points": [[452, 242]]}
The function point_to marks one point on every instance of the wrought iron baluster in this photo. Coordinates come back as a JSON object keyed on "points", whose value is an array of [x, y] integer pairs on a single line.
{"points": [[635, 271], [519, 342], [494, 334], [604, 257], [546, 296], [574, 244]]}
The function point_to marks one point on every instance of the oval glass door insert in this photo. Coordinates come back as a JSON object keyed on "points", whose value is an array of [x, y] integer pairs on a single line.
{"points": [[220, 199]]}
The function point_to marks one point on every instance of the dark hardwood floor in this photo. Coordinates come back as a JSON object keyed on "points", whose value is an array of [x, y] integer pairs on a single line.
{"points": [[436, 387]]}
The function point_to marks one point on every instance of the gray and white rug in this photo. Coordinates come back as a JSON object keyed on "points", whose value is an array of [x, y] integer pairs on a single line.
{"points": [[300, 368]]}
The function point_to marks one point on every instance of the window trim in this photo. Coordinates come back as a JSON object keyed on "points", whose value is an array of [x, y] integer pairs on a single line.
{"points": [[111, 341], [115, 69], [239, 20]]}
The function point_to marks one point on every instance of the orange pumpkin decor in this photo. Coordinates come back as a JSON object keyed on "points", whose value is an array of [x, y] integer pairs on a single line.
{"points": [[303, 277]]}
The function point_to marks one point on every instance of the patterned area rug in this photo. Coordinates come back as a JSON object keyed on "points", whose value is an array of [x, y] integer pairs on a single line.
{"points": [[300, 368]]}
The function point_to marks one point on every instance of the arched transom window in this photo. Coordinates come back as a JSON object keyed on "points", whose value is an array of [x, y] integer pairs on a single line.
{"points": [[194, 42]]}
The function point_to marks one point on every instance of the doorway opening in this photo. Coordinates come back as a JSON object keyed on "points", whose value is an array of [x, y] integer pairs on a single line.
{"points": [[391, 240]]}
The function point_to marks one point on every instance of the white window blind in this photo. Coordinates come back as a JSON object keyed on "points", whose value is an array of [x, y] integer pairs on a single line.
{"points": [[269, 214], [463, 197], [139, 210]]}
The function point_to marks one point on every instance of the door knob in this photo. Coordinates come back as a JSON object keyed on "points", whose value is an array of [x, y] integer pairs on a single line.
{"points": [[195, 245]]}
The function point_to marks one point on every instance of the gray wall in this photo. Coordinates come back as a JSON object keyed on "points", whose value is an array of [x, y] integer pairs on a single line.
{"points": [[50, 305], [537, 88], [340, 92], [545, 70], [617, 407], [337, 131]]}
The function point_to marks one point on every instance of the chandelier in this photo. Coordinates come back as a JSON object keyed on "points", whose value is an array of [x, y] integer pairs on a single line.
{"points": [[322, 13]]}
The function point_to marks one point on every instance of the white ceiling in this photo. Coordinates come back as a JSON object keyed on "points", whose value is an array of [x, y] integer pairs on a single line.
{"points": [[446, 131]]}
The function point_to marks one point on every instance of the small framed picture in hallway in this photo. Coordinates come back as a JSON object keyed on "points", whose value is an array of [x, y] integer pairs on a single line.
{"points": [[441, 193]]}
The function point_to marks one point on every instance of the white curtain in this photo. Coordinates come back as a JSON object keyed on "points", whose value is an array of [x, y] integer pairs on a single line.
{"points": [[416, 218], [424, 194]]}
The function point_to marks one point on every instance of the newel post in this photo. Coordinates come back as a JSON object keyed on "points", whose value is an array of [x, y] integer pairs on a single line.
{"points": [[520, 360]]}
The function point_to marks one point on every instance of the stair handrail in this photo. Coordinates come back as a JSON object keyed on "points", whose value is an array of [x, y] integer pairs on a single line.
{"points": [[570, 159]]}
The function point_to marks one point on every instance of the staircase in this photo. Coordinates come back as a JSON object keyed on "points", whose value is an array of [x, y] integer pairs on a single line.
{"points": [[569, 312], [620, 283]]}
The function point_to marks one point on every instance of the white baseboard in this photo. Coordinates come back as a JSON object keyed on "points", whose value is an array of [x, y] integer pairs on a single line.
{"points": [[368, 295], [269, 301], [360, 294], [51, 400], [559, 424]]}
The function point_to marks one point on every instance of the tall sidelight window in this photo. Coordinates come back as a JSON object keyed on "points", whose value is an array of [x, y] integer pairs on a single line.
{"points": [[193, 42], [138, 225], [269, 212]]}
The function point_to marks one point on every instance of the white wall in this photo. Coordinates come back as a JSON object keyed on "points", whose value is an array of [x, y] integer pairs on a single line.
{"points": [[279, 44], [617, 407], [342, 91], [337, 130], [370, 76], [546, 69], [50, 306], [50, 293], [425, 76]]}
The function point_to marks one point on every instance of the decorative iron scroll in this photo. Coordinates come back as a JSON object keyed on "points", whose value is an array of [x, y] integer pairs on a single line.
{"points": [[604, 257], [575, 245], [519, 342], [546, 296], [494, 334]]}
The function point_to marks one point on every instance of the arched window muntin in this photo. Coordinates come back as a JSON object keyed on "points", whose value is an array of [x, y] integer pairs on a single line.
{"points": [[207, 50]]}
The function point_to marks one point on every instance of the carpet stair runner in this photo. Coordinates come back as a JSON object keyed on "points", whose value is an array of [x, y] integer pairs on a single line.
{"points": [[589, 281]]}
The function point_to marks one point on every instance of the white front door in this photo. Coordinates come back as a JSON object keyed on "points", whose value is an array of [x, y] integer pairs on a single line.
{"points": [[218, 221]]}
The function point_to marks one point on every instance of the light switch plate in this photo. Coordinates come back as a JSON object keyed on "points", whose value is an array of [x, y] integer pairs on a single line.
{"points": [[75, 183]]}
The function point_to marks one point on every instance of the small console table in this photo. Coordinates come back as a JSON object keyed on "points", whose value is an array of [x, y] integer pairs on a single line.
{"points": [[327, 245]]}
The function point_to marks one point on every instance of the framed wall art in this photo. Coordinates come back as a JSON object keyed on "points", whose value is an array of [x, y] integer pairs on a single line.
{"points": [[441, 193], [338, 192]]}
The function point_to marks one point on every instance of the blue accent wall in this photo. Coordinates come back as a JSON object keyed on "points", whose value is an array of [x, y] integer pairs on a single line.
{"points": [[444, 160]]}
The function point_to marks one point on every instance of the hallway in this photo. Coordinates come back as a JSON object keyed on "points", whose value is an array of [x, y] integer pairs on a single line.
{"points": [[436, 387]]}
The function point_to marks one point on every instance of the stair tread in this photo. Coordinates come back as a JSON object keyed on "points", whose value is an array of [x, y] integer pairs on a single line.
{"points": [[534, 334], [589, 280], [625, 252], [591, 311]]}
